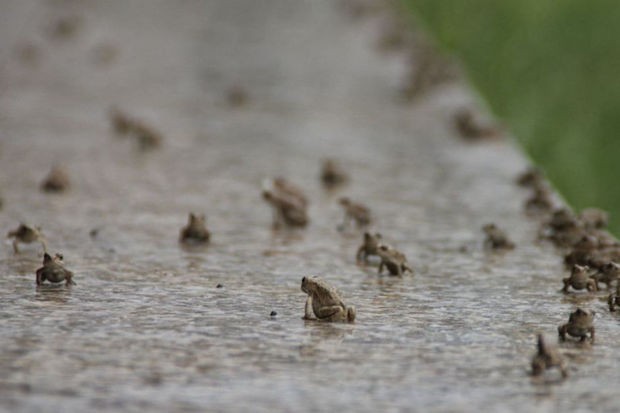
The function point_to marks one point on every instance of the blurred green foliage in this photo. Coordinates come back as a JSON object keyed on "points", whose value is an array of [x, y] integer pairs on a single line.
{"points": [[549, 69]]}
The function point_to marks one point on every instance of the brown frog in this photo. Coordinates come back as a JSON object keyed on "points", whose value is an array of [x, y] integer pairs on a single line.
{"points": [[121, 122], [394, 260], [237, 96], [579, 325], [332, 174], [607, 274], [496, 238], [196, 230], [26, 234], [614, 299], [324, 302], [369, 247], [546, 358], [564, 229], [287, 211], [471, 128], [54, 271], [287, 188], [594, 218], [532, 177], [56, 181], [354, 211], [580, 279], [146, 137], [539, 201]]}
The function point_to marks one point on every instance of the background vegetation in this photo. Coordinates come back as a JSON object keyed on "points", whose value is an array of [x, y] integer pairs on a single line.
{"points": [[549, 69]]}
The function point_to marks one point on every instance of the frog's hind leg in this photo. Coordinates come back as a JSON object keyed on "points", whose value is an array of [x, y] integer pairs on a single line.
{"points": [[332, 313]]}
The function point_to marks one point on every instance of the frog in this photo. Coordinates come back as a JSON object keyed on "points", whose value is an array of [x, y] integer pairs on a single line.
{"points": [[287, 188], [369, 247], [546, 358], [287, 211], [564, 228], [56, 181], [607, 274], [614, 299], [237, 96], [145, 136], [580, 279], [196, 230], [332, 174], [354, 211], [324, 303], [27, 234], [53, 270], [539, 201], [532, 177], [496, 238], [594, 218], [471, 128], [121, 122], [583, 251], [579, 325], [394, 260]]}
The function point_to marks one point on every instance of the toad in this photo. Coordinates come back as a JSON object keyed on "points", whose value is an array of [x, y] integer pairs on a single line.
{"points": [[237, 96], [471, 128], [354, 211], [324, 302], [394, 260], [54, 271], [540, 201], [26, 234], [369, 247], [579, 325], [145, 136], [289, 189], [594, 218], [196, 230], [614, 299], [332, 175], [287, 211], [56, 181], [546, 358], [496, 238], [607, 274], [580, 279], [531, 178]]}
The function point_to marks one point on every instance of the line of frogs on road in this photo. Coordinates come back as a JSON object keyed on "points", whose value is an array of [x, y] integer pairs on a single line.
{"points": [[592, 255]]}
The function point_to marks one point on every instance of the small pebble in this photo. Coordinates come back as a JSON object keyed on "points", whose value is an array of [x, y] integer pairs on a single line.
{"points": [[273, 314], [219, 286]]}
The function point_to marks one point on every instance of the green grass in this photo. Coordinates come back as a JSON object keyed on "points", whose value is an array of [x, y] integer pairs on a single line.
{"points": [[550, 70]]}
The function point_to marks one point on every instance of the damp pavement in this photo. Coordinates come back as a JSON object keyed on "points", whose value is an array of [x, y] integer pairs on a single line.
{"points": [[153, 326]]}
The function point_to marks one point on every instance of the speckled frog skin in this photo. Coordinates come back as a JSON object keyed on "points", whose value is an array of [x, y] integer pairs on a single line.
{"points": [[324, 302]]}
